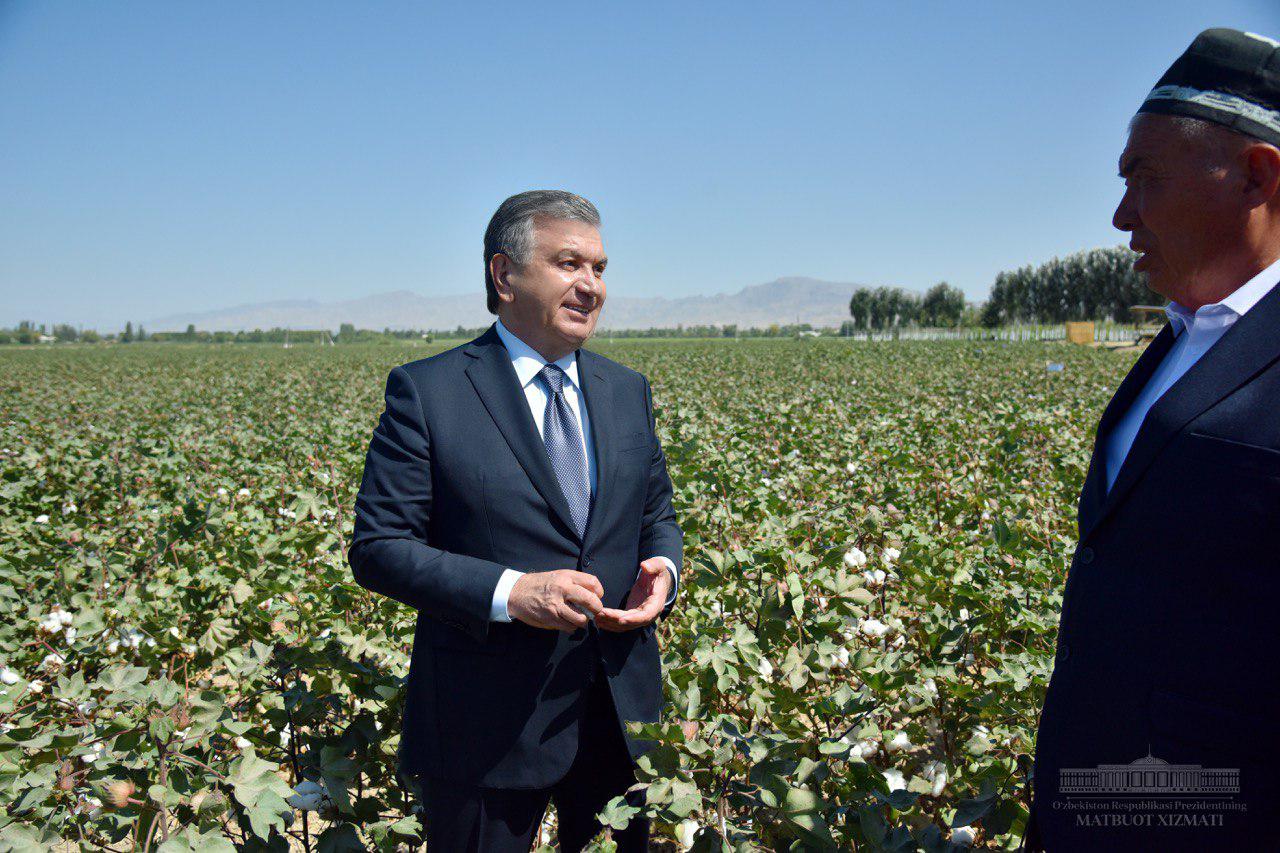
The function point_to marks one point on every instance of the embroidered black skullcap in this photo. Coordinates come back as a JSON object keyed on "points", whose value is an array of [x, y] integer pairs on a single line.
{"points": [[1227, 77]]}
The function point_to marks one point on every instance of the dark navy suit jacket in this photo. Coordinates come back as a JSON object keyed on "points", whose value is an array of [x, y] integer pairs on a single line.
{"points": [[1170, 627], [457, 487]]}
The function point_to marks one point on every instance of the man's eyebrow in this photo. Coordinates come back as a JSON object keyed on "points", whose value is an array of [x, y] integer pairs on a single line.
{"points": [[575, 254], [1129, 164]]}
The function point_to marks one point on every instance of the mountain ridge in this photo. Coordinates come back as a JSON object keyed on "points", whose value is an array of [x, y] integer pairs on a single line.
{"points": [[790, 299]]}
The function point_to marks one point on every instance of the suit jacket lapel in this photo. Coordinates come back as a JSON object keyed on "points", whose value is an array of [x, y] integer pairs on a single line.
{"points": [[1094, 492], [1247, 347], [598, 394], [495, 381]]}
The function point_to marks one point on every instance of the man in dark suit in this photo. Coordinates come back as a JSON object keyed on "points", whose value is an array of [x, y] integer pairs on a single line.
{"points": [[515, 494], [1159, 730]]}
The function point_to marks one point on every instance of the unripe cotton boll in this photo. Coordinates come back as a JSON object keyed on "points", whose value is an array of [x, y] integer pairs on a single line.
{"points": [[119, 793]]}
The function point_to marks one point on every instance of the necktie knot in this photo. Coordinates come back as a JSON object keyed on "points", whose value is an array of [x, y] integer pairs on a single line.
{"points": [[554, 377]]}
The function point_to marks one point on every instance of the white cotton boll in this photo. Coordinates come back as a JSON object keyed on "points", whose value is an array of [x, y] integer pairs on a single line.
{"points": [[963, 835], [242, 742], [324, 635], [36, 686], [872, 628], [851, 468], [310, 796], [42, 519], [686, 831], [68, 508], [936, 772], [895, 780], [113, 646], [964, 614], [94, 753], [65, 617], [285, 735], [874, 577], [765, 669], [174, 632], [243, 493], [222, 492], [898, 742], [717, 609], [891, 555], [930, 687], [864, 749], [854, 558], [8, 676], [898, 641], [842, 657], [150, 642], [53, 660], [69, 635]]}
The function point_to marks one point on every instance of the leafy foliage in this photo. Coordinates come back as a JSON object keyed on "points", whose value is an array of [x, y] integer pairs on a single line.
{"points": [[876, 540]]}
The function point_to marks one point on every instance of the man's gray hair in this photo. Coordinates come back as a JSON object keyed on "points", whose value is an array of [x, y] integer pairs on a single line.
{"points": [[510, 231]]}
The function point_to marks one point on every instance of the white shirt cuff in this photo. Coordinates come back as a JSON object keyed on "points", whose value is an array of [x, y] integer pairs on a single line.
{"points": [[675, 577], [498, 609]]}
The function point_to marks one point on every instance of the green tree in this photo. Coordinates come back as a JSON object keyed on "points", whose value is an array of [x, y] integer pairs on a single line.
{"points": [[942, 305]]}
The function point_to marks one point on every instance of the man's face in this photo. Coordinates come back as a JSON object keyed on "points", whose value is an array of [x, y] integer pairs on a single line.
{"points": [[1178, 207], [556, 297]]}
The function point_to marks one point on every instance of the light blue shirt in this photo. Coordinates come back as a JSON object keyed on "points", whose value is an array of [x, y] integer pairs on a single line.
{"points": [[1195, 332], [528, 363]]}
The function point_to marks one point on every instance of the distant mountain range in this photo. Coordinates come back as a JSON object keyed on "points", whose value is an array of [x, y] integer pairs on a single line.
{"points": [[787, 300]]}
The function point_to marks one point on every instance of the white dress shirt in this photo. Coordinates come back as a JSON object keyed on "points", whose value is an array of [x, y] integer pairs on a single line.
{"points": [[1195, 332], [528, 363]]}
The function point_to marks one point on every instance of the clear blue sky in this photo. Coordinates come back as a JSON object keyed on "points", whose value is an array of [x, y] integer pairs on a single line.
{"points": [[164, 157]]}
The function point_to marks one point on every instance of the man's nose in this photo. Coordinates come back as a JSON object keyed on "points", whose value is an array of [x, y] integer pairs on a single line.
{"points": [[1126, 215]]}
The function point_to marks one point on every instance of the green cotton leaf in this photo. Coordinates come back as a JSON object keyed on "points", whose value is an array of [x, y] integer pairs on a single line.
{"points": [[873, 825], [241, 591], [190, 840], [217, 636], [796, 591], [861, 595], [262, 793], [118, 682], [617, 813], [801, 801], [338, 771], [685, 798], [968, 811], [340, 839]]}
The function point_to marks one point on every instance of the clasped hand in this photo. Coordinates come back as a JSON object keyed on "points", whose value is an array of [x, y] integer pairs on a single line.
{"points": [[566, 600]]}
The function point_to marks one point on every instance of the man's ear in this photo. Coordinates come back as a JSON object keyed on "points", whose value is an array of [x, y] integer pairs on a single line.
{"points": [[500, 269], [1262, 172]]}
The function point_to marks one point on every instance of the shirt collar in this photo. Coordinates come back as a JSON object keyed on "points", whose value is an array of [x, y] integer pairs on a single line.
{"points": [[1230, 308], [528, 362]]}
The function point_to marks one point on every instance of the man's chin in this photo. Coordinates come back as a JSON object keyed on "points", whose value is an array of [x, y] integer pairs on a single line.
{"points": [[577, 332]]}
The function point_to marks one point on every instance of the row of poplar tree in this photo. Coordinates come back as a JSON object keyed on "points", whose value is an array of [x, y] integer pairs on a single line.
{"points": [[1097, 284]]}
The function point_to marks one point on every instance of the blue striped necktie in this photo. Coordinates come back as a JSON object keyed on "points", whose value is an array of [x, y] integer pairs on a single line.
{"points": [[563, 438]]}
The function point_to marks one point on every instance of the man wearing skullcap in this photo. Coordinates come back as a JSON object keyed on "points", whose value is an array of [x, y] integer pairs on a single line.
{"points": [[1161, 725]]}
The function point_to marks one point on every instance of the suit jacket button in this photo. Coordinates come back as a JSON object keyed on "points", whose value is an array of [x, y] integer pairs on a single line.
{"points": [[586, 562], [1064, 651], [1086, 555]]}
